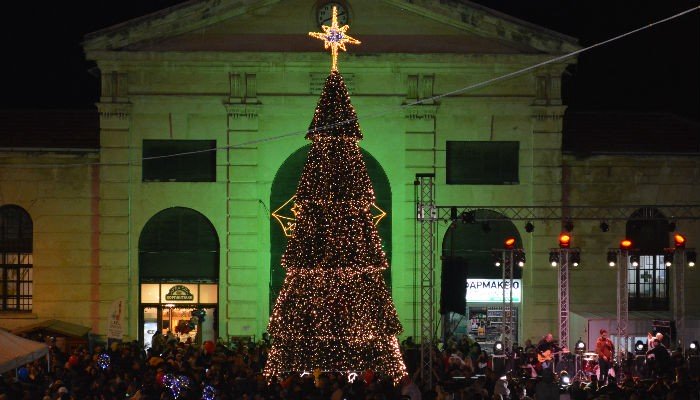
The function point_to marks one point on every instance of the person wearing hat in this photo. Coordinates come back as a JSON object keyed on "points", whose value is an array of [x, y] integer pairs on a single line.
{"points": [[604, 349]]}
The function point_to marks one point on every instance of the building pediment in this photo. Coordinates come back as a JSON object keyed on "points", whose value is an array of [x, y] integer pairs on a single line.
{"points": [[384, 26]]}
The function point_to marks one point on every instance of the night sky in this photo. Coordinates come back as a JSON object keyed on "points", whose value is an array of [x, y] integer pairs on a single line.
{"points": [[656, 70]]}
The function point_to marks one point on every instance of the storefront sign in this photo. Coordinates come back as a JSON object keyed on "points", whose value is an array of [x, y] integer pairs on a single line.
{"points": [[491, 290], [179, 293]]}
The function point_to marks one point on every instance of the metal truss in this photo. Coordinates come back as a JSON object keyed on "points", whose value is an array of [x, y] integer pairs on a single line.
{"points": [[562, 212], [564, 257], [621, 340], [426, 214], [679, 265], [508, 257]]}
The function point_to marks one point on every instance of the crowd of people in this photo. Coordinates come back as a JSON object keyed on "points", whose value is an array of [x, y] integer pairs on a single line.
{"points": [[233, 371]]}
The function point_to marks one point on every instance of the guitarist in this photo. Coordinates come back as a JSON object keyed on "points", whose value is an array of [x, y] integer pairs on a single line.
{"points": [[546, 350], [605, 350]]}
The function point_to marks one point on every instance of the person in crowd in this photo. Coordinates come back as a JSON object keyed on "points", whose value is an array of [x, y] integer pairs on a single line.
{"points": [[604, 349]]}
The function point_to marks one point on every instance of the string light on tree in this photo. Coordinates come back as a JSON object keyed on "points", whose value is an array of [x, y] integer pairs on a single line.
{"points": [[334, 311]]}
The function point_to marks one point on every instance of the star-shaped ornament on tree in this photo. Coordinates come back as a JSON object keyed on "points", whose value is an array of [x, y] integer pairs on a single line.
{"points": [[334, 37]]}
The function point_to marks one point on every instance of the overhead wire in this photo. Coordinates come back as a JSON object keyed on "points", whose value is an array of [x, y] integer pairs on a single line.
{"points": [[378, 114]]}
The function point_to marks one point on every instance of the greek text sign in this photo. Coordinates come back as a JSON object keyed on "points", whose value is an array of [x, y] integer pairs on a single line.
{"points": [[491, 290]]}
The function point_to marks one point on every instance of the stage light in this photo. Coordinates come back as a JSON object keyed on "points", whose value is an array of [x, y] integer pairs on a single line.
{"points": [[564, 240], [580, 347], [486, 227], [626, 244], [468, 217], [679, 241], [497, 258], [519, 257], [553, 258], [612, 258], [668, 258], [634, 259], [575, 258], [569, 225], [694, 348], [453, 213], [509, 243], [604, 227], [564, 379], [498, 348], [529, 227], [691, 257], [640, 348], [671, 226]]}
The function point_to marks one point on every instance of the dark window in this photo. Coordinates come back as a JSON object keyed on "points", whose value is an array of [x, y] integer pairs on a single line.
{"points": [[16, 259], [648, 287], [482, 163], [188, 161], [648, 284]]}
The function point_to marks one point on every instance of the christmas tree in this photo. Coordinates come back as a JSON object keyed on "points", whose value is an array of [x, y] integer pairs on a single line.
{"points": [[334, 312]]}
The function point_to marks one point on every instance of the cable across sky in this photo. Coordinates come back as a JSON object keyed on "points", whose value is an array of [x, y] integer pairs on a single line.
{"points": [[387, 111]]}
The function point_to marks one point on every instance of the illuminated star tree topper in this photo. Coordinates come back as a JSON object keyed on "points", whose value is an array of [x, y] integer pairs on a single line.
{"points": [[334, 37]]}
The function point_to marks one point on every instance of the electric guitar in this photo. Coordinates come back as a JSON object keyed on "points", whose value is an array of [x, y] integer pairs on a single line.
{"points": [[548, 355]]}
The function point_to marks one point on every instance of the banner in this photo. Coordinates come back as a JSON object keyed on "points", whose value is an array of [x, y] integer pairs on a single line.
{"points": [[491, 290], [115, 322]]}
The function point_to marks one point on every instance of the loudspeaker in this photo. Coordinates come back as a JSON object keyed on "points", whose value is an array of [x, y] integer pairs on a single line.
{"points": [[453, 286]]}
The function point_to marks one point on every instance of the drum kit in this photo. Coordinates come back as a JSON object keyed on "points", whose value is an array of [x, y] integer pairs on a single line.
{"points": [[590, 367]]}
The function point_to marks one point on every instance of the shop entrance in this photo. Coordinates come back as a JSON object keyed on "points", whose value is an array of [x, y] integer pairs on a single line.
{"points": [[176, 321], [468, 244], [178, 276]]}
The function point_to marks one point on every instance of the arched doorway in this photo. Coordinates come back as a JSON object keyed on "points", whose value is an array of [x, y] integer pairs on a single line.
{"points": [[467, 247], [178, 274], [285, 185]]}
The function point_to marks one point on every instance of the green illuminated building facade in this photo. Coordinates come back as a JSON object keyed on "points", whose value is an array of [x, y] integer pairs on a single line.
{"points": [[167, 233]]}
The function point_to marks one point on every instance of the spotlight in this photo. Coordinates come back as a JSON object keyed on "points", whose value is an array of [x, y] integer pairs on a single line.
{"points": [[497, 258], [564, 240], [564, 379], [671, 226], [679, 241], [568, 225], [486, 227], [575, 258], [529, 227], [612, 258], [694, 348], [553, 258], [640, 348], [519, 257], [453, 213], [498, 348], [604, 227], [634, 260], [509, 243], [691, 257], [668, 258], [468, 217], [580, 347], [626, 244]]}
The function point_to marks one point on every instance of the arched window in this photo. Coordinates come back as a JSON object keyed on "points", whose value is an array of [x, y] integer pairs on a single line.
{"points": [[16, 261], [179, 244], [648, 288]]}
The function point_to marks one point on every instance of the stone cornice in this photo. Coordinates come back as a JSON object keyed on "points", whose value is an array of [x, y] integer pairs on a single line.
{"points": [[420, 112], [117, 111]]}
